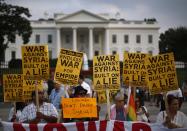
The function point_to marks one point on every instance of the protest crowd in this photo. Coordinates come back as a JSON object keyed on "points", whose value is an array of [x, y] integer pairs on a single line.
{"points": [[39, 97]]}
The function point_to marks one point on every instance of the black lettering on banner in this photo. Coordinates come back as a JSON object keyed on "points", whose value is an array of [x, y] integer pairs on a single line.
{"points": [[34, 48]]}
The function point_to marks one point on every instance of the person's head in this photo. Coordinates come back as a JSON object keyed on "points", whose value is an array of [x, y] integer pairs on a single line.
{"points": [[57, 85], [80, 92], [20, 105], [40, 95], [173, 103], [81, 79], [119, 100], [137, 102]]}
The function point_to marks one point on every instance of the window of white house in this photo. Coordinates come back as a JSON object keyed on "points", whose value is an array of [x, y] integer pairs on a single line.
{"points": [[67, 38], [50, 54], [126, 39], [49, 39], [96, 38], [114, 39], [96, 53], [13, 55], [37, 38], [82, 38], [138, 39], [150, 39], [114, 52]]}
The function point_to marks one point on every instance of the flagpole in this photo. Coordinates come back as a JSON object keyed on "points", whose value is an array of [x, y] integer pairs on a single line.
{"points": [[134, 92], [14, 107]]}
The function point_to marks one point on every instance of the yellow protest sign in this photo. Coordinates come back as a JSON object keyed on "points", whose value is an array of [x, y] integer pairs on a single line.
{"points": [[106, 72], [134, 69], [102, 98], [79, 107], [101, 95], [68, 67], [13, 87], [29, 86], [35, 62], [161, 73]]}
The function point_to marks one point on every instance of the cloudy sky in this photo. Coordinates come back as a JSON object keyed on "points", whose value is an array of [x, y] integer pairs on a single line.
{"points": [[169, 13]]}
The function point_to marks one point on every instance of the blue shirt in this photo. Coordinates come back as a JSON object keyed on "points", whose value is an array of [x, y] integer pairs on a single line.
{"points": [[120, 114], [55, 97]]}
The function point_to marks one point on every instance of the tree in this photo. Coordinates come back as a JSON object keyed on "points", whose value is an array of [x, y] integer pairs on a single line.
{"points": [[13, 21], [174, 40]]}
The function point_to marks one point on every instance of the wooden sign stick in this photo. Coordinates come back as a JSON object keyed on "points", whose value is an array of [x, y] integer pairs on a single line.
{"points": [[166, 102], [134, 92], [36, 93], [108, 103], [14, 108]]}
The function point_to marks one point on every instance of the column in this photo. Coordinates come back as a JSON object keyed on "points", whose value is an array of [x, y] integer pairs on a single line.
{"points": [[107, 48], [58, 41], [90, 44], [74, 39]]}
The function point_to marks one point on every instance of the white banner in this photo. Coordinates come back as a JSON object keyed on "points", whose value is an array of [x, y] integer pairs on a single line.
{"points": [[88, 126]]}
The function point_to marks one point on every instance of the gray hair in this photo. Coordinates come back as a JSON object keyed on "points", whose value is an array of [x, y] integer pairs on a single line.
{"points": [[119, 96]]}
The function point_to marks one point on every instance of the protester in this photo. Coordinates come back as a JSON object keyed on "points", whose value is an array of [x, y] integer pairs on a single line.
{"points": [[56, 94], [14, 115], [141, 111], [184, 89], [172, 118], [47, 112], [85, 85], [80, 92], [118, 110], [51, 86]]}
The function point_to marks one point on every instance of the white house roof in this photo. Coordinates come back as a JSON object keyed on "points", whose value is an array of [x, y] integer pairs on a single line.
{"points": [[82, 16]]}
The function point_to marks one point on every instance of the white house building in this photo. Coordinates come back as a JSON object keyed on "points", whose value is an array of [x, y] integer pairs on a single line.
{"points": [[93, 34]]}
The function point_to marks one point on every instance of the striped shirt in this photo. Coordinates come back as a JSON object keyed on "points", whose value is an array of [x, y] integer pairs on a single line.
{"points": [[29, 112]]}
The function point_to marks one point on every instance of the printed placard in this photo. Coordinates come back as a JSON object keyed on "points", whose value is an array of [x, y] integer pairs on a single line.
{"points": [[102, 98], [161, 71], [35, 62], [68, 67], [13, 87], [79, 107], [106, 72], [134, 69], [29, 86]]}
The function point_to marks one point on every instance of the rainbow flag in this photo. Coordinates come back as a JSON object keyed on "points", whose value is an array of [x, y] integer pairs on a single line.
{"points": [[131, 115]]}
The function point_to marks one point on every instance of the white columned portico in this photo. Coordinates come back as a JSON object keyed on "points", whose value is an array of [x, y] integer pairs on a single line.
{"points": [[74, 39], [107, 50], [90, 43], [58, 46]]}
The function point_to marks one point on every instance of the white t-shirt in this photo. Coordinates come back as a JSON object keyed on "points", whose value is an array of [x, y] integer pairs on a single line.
{"points": [[179, 119], [176, 93], [87, 87]]}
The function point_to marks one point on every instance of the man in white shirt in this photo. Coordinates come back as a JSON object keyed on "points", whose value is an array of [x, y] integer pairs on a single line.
{"points": [[47, 112], [85, 85]]}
